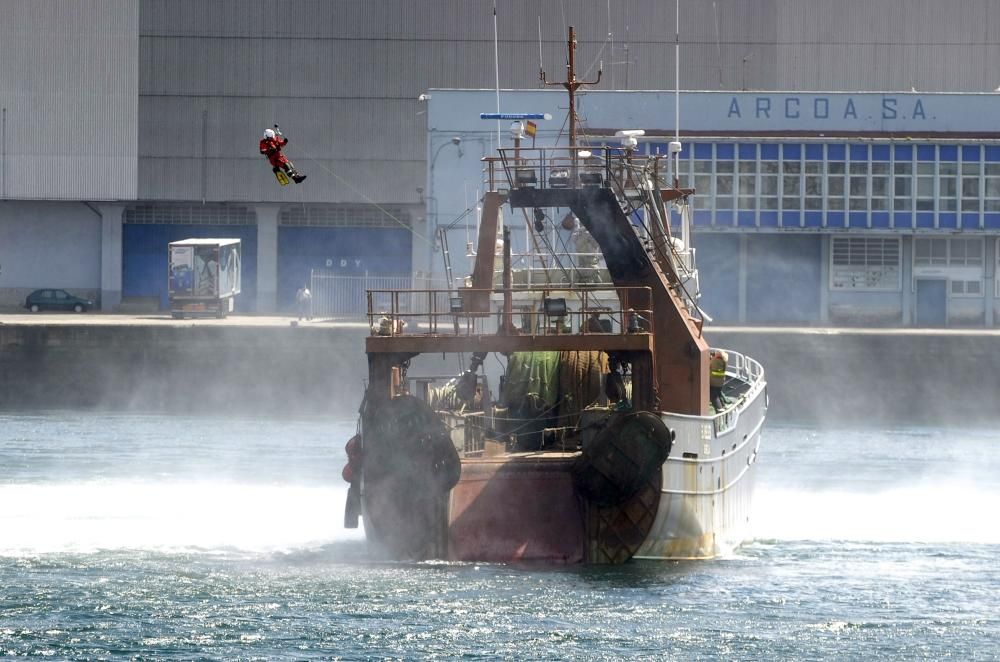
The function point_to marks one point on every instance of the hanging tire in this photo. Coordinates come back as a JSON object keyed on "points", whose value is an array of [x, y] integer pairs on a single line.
{"points": [[410, 465], [622, 458]]}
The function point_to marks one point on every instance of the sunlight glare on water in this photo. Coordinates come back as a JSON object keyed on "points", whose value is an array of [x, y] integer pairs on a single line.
{"points": [[166, 537], [943, 512], [84, 517]]}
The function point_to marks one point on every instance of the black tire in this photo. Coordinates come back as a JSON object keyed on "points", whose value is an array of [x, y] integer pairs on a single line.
{"points": [[34, 308], [78, 308]]}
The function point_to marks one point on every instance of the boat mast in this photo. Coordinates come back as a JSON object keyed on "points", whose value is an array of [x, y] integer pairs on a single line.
{"points": [[572, 84]]}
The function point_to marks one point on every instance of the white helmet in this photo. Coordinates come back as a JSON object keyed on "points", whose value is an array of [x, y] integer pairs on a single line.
{"points": [[268, 133]]}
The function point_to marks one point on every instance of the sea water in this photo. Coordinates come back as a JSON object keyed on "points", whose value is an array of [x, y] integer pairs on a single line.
{"points": [[166, 537]]}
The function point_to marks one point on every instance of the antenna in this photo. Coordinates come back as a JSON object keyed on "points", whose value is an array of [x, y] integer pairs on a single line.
{"points": [[571, 85], [674, 149], [677, 73], [496, 59], [541, 66]]}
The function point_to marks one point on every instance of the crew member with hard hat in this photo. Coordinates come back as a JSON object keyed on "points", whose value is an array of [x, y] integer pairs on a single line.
{"points": [[717, 361]]}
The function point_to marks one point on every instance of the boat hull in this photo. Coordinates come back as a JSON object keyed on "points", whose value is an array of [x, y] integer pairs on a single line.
{"points": [[529, 507], [708, 483]]}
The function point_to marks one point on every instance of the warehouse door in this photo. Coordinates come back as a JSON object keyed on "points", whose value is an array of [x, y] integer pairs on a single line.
{"points": [[932, 302]]}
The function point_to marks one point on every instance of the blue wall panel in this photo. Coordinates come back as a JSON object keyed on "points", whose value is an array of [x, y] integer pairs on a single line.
{"points": [[718, 257], [144, 258], [789, 264], [347, 251]]}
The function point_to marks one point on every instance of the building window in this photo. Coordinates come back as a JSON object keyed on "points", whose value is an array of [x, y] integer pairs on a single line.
{"points": [[947, 186], [724, 188], [865, 263], [835, 185], [928, 252], [748, 185], [991, 186], [970, 187], [703, 178], [814, 185], [925, 186], [880, 186], [996, 270], [967, 288], [768, 184], [791, 185], [858, 182], [835, 177], [965, 252], [902, 186]]}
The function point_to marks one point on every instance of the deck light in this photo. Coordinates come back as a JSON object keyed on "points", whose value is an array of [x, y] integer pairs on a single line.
{"points": [[555, 307]]}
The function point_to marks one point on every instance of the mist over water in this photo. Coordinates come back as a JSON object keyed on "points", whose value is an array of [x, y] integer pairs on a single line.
{"points": [[879, 486], [170, 517], [84, 483], [191, 537]]}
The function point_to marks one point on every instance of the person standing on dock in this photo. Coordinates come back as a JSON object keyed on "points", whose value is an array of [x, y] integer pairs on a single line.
{"points": [[303, 301]]}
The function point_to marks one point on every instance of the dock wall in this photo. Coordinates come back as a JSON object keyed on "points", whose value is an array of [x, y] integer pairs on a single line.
{"points": [[830, 377]]}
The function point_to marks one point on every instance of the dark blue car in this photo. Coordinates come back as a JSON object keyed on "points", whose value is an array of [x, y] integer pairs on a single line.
{"points": [[56, 300]]}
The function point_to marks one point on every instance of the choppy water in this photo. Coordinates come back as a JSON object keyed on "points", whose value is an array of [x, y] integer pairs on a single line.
{"points": [[156, 537]]}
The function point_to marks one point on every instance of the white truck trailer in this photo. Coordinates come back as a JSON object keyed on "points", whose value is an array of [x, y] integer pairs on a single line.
{"points": [[203, 277]]}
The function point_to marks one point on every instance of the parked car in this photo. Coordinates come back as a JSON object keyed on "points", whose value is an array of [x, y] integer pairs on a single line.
{"points": [[56, 300]]}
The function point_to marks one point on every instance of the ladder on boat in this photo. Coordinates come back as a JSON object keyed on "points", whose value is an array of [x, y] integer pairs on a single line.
{"points": [[446, 254]]}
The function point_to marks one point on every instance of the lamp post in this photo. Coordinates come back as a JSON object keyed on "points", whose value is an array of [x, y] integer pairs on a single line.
{"points": [[432, 203]]}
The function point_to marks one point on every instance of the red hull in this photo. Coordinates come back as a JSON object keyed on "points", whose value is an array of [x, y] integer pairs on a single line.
{"points": [[517, 510]]}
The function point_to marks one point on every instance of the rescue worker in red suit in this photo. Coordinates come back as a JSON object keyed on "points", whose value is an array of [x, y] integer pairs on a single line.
{"points": [[271, 146]]}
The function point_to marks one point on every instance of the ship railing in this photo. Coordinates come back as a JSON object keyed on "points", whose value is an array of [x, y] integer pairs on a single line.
{"points": [[537, 311], [573, 269], [742, 368], [561, 167]]}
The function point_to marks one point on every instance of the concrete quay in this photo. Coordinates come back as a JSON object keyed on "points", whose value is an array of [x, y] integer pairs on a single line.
{"points": [[268, 365]]}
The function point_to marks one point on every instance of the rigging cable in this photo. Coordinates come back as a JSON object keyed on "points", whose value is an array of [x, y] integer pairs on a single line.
{"points": [[362, 194]]}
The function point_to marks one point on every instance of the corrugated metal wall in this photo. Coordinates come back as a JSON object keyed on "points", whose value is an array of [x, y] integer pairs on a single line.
{"points": [[343, 80], [343, 77], [892, 45], [68, 89]]}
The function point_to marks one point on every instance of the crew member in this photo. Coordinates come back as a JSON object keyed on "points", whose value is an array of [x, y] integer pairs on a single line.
{"points": [[717, 361], [271, 146]]}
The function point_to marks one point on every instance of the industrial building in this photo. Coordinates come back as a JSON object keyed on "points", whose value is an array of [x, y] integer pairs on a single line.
{"points": [[844, 153]]}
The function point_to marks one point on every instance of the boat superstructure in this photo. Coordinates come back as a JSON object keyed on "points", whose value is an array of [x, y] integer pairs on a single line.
{"points": [[601, 443]]}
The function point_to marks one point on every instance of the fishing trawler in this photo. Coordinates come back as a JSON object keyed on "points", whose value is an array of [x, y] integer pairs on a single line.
{"points": [[616, 432]]}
